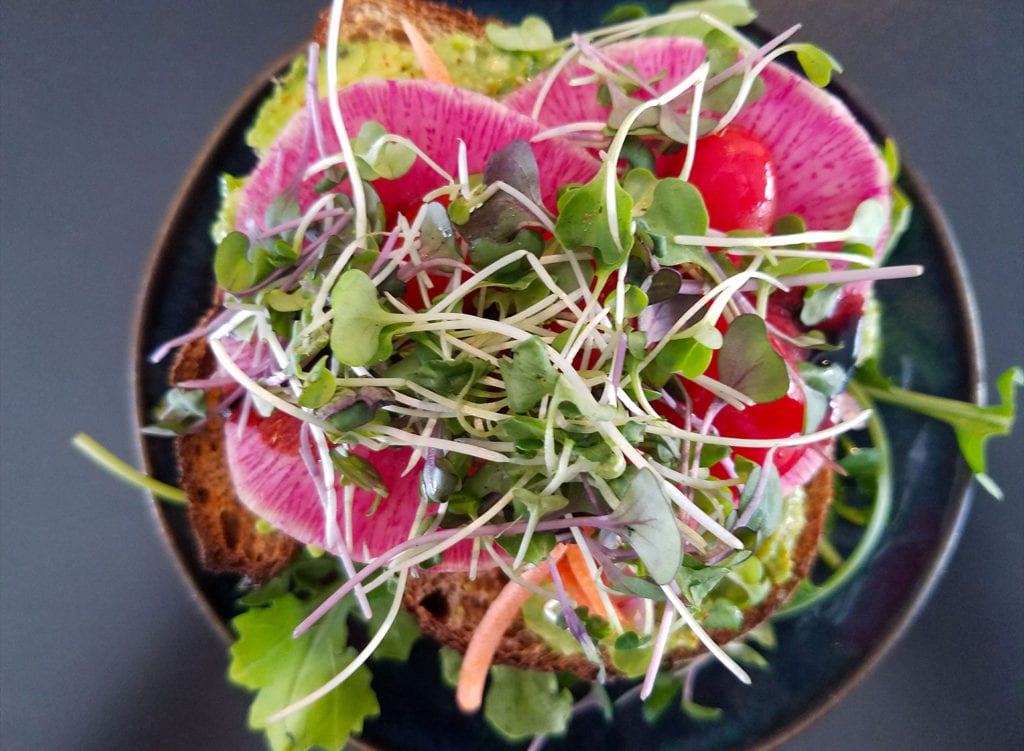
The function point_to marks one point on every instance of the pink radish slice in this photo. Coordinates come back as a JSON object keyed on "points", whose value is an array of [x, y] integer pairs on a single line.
{"points": [[269, 474], [826, 163], [436, 117], [271, 478]]}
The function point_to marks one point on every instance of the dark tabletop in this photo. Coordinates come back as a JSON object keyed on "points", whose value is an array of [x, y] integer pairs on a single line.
{"points": [[104, 105]]}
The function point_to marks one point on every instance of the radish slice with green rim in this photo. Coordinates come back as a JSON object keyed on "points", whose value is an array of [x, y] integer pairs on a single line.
{"points": [[826, 163], [436, 117], [271, 478]]}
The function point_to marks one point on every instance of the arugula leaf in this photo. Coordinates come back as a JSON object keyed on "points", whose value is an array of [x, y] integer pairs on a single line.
{"points": [[526, 703], [973, 424], [265, 651]]}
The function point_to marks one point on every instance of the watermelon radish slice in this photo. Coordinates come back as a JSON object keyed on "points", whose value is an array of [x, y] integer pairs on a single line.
{"points": [[826, 164], [271, 478], [269, 474], [436, 117]]}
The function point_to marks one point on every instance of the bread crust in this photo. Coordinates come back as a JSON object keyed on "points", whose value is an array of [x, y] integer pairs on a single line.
{"points": [[381, 20], [226, 531]]}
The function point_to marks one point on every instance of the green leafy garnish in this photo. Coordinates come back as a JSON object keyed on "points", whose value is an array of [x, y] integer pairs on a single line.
{"points": [[360, 333], [818, 65], [583, 221], [526, 703], [529, 375], [265, 650], [749, 363], [973, 424], [532, 35]]}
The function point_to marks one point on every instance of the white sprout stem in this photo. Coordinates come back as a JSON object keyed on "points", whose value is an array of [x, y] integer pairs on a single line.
{"points": [[733, 397], [415, 556], [464, 169], [846, 276], [691, 153], [311, 215], [615, 149], [813, 237], [539, 213], [358, 193], [356, 663], [719, 653], [468, 448], [664, 630], [313, 94], [253, 387], [799, 439], [332, 535], [584, 126]]}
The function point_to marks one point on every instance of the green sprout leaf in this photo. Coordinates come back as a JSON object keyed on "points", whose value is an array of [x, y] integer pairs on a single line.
{"points": [[231, 264], [687, 357], [732, 12], [383, 158], [359, 334], [696, 584], [818, 65], [676, 208], [529, 375], [649, 524], [319, 386], [748, 363], [583, 221]]}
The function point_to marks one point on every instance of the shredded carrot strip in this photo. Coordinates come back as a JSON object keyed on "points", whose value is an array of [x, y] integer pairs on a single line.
{"points": [[487, 636], [583, 588], [430, 63]]}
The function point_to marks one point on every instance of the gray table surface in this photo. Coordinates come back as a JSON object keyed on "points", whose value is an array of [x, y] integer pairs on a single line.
{"points": [[103, 106]]}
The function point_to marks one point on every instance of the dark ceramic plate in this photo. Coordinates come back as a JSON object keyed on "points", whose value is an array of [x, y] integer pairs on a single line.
{"points": [[930, 346]]}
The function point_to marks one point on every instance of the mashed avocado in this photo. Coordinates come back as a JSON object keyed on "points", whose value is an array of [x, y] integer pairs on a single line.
{"points": [[473, 63], [745, 586]]}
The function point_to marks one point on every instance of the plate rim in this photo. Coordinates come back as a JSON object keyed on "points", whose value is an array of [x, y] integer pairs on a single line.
{"points": [[946, 252]]}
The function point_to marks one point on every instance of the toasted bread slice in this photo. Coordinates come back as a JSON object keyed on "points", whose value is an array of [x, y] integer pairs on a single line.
{"points": [[448, 606]]}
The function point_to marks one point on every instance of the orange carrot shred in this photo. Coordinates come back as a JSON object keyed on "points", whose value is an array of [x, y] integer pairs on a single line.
{"points": [[492, 627], [430, 63], [586, 591]]}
